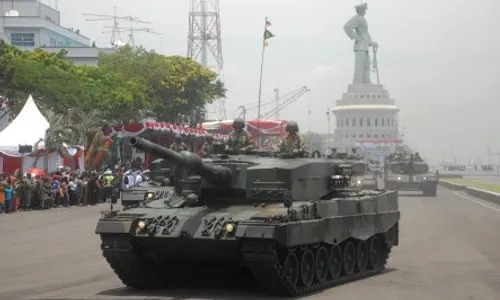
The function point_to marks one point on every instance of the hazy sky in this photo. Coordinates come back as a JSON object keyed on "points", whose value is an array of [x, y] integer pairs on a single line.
{"points": [[438, 59]]}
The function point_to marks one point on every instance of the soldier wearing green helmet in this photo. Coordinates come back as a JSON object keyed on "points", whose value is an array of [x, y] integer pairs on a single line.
{"points": [[240, 140], [293, 142]]}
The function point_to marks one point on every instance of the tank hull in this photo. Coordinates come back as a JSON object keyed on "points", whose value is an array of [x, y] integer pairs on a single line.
{"points": [[262, 240], [427, 184]]}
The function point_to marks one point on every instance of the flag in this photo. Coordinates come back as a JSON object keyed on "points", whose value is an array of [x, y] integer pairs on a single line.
{"points": [[268, 34]]}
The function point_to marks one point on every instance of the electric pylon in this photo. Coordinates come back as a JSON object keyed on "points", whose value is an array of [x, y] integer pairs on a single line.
{"points": [[205, 46]]}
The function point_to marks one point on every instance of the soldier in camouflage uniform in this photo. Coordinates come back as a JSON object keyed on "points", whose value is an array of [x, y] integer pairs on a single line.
{"points": [[293, 143], [208, 146], [240, 140], [178, 144], [46, 194]]}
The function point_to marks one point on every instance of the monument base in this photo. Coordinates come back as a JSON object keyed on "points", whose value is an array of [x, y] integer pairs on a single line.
{"points": [[365, 94]]}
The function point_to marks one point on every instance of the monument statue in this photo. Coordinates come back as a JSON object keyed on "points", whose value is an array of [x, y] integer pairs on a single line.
{"points": [[357, 29]]}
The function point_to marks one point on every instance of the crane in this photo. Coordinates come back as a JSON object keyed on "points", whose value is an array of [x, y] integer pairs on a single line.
{"points": [[115, 32], [295, 95]]}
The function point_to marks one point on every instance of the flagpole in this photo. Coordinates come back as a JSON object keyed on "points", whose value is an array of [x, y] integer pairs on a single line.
{"points": [[260, 83]]}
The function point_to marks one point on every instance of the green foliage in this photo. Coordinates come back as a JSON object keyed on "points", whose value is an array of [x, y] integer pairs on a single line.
{"points": [[127, 86]]}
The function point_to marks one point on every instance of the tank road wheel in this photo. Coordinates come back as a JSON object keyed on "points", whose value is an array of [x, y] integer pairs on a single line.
{"points": [[363, 256], [322, 264], [307, 268], [349, 258], [375, 252], [291, 268], [335, 261]]}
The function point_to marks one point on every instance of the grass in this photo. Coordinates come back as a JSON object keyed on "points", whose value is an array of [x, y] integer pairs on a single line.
{"points": [[475, 184]]}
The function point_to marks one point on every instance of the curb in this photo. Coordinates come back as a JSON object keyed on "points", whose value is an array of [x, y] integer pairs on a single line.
{"points": [[481, 194], [452, 186], [450, 176]]}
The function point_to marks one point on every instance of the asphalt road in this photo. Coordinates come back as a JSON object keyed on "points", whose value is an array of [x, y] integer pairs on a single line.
{"points": [[449, 251]]}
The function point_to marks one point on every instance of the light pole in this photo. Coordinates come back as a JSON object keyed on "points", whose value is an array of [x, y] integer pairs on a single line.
{"points": [[329, 129]]}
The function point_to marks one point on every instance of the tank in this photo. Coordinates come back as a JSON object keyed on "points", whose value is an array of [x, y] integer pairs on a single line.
{"points": [[291, 222], [157, 186], [361, 178], [409, 175]]}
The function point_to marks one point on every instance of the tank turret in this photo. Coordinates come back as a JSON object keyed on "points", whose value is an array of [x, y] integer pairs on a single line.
{"points": [[216, 174]]}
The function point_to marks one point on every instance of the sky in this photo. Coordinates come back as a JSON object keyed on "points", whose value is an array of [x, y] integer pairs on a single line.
{"points": [[438, 59]]}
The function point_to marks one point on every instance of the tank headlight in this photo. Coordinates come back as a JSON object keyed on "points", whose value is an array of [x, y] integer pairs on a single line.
{"points": [[141, 224], [229, 227], [358, 182], [150, 195], [399, 178]]}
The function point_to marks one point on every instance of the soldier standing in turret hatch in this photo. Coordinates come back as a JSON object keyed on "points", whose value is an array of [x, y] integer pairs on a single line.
{"points": [[208, 147], [178, 144], [240, 140], [293, 143]]}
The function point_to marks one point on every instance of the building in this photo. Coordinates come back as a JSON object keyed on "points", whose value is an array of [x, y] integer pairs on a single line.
{"points": [[31, 24], [367, 119]]}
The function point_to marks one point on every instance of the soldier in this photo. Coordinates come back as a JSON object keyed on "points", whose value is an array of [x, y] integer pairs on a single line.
{"points": [[240, 139], [208, 146], [178, 144], [293, 143]]}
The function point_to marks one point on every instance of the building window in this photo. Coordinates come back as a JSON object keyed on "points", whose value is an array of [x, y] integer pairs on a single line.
{"points": [[376, 122], [383, 122], [353, 122], [388, 122], [341, 123], [360, 122], [52, 43], [60, 44], [383, 135], [23, 39], [361, 136], [368, 122], [346, 122], [369, 136], [375, 136], [353, 136]]}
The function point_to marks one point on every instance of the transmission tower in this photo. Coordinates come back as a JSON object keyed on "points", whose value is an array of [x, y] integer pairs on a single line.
{"points": [[205, 45], [115, 32]]}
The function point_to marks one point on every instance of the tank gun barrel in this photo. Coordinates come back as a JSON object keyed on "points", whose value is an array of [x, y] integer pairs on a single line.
{"points": [[216, 174]]}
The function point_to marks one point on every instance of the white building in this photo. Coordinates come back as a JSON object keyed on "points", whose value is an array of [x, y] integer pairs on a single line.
{"points": [[30, 24], [366, 116]]}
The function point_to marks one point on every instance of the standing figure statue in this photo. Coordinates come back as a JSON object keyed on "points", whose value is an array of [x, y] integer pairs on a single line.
{"points": [[357, 29]]}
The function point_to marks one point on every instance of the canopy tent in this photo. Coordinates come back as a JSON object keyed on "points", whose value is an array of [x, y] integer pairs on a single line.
{"points": [[26, 129]]}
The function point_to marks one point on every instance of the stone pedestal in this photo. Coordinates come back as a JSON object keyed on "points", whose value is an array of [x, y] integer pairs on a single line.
{"points": [[365, 114]]}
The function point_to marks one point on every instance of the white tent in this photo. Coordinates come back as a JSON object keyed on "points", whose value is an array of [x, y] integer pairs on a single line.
{"points": [[26, 129]]}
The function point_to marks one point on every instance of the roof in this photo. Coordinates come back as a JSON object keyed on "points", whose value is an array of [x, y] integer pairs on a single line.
{"points": [[366, 107], [26, 129]]}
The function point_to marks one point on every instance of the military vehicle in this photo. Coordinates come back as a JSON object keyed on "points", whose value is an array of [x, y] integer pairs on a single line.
{"points": [[406, 174], [289, 221], [157, 186], [361, 178]]}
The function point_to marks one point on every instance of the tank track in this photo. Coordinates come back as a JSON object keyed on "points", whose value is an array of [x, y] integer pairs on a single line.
{"points": [[265, 262], [130, 268]]}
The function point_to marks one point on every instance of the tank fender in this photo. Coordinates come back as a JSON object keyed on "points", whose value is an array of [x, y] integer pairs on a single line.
{"points": [[106, 225]]}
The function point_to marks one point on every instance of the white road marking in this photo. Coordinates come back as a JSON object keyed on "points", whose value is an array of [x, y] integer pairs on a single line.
{"points": [[496, 208]]}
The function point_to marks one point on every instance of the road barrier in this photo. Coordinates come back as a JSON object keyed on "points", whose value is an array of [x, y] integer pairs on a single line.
{"points": [[481, 194]]}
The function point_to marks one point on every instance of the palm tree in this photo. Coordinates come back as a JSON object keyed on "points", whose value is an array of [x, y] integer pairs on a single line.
{"points": [[58, 137]]}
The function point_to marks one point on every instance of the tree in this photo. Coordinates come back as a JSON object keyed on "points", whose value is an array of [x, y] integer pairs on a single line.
{"points": [[174, 85]]}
